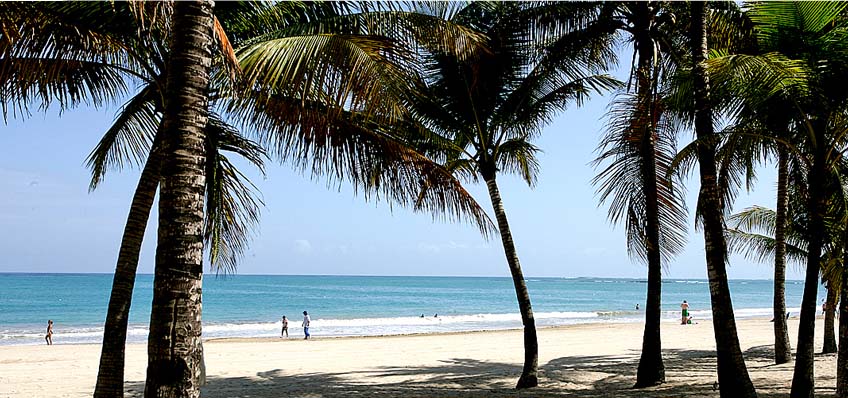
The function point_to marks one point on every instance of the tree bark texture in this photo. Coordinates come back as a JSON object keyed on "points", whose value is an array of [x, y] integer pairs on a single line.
{"points": [[529, 377], [651, 370], [110, 376], [733, 377], [174, 352], [803, 383], [842, 357], [782, 347], [829, 346]]}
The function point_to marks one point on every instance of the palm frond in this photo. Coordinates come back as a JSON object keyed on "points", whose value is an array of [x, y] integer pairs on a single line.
{"points": [[129, 139], [360, 73], [621, 182], [347, 146], [806, 16], [232, 201], [519, 156], [65, 53], [760, 248]]}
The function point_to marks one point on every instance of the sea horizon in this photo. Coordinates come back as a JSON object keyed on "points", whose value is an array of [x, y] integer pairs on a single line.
{"points": [[228, 275], [247, 305]]}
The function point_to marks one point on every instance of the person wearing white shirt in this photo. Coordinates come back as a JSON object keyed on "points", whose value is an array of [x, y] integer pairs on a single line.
{"points": [[305, 325]]}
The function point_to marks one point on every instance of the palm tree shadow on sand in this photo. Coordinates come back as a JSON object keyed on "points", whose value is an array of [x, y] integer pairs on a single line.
{"points": [[577, 376]]}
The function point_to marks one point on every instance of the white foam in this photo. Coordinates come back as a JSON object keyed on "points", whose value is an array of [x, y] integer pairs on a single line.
{"points": [[373, 326]]}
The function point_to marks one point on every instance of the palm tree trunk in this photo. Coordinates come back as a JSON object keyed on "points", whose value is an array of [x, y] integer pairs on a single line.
{"points": [[732, 373], [174, 353], [529, 376], [829, 346], [782, 347], [803, 383], [651, 370], [110, 377], [842, 357]]}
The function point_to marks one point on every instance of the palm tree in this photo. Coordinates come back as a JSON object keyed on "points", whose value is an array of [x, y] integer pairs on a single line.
{"points": [[231, 209], [481, 113], [782, 346], [732, 373], [640, 144], [812, 33], [174, 355], [829, 344], [755, 234], [842, 355], [751, 85]]}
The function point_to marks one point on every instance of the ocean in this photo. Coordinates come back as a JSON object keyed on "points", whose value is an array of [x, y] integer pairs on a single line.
{"points": [[252, 305]]}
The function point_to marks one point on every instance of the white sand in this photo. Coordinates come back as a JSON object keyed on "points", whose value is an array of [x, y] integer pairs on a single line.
{"points": [[575, 361]]}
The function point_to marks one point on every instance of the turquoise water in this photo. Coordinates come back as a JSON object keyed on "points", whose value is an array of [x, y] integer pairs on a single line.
{"points": [[252, 305]]}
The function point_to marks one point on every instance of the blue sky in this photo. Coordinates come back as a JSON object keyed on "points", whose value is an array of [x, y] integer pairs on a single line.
{"points": [[51, 223]]}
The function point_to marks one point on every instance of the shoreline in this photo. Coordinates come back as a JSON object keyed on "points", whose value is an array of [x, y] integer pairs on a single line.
{"points": [[593, 359], [297, 332]]}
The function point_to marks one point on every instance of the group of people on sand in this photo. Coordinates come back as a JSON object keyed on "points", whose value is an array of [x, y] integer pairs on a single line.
{"points": [[305, 325]]}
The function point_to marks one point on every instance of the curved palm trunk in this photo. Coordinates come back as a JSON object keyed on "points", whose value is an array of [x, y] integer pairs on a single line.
{"points": [[782, 347], [110, 377], [174, 352], [528, 377], [651, 370], [732, 373], [842, 357], [803, 384], [829, 346]]}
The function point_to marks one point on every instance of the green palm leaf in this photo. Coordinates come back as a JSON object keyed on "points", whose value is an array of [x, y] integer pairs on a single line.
{"points": [[620, 182], [232, 201], [130, 137]]}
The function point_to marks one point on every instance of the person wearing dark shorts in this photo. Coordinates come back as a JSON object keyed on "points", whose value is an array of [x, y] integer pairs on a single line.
{"points": [[285, 330]]}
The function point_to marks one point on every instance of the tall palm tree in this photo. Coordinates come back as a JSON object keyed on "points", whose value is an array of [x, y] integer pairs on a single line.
{"points": [[812, 33], [130, 137], [640, 144], [174, 355], [842, 355], [755, 234], [481, 113], [750, 85], [229, 217], [732, 373]]}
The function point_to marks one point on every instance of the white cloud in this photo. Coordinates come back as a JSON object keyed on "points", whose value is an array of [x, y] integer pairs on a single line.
{"points": [[302, 246], [429, 247]]}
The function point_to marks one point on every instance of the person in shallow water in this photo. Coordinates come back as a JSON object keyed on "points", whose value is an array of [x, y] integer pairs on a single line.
{"points": [[306, 325]]}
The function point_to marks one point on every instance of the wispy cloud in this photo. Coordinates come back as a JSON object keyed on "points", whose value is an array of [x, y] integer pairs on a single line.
{"points": [[302, 246], [438, 247]]}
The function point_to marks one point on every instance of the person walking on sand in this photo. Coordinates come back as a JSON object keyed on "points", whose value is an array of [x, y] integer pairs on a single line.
{"points": [[49, 337], [305, 325], [684, 312], [285, 330]]}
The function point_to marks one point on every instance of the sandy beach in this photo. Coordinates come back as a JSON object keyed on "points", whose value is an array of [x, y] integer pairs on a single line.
{"points": [[589, 360]]}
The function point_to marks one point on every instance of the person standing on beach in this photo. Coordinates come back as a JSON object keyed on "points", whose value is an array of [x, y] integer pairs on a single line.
{"points": [[684, 311], [49, 337], [305, 325], [285, 330]]}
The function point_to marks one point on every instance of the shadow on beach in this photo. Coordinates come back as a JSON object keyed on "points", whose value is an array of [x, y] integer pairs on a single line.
{"points": [[689, 373]]}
